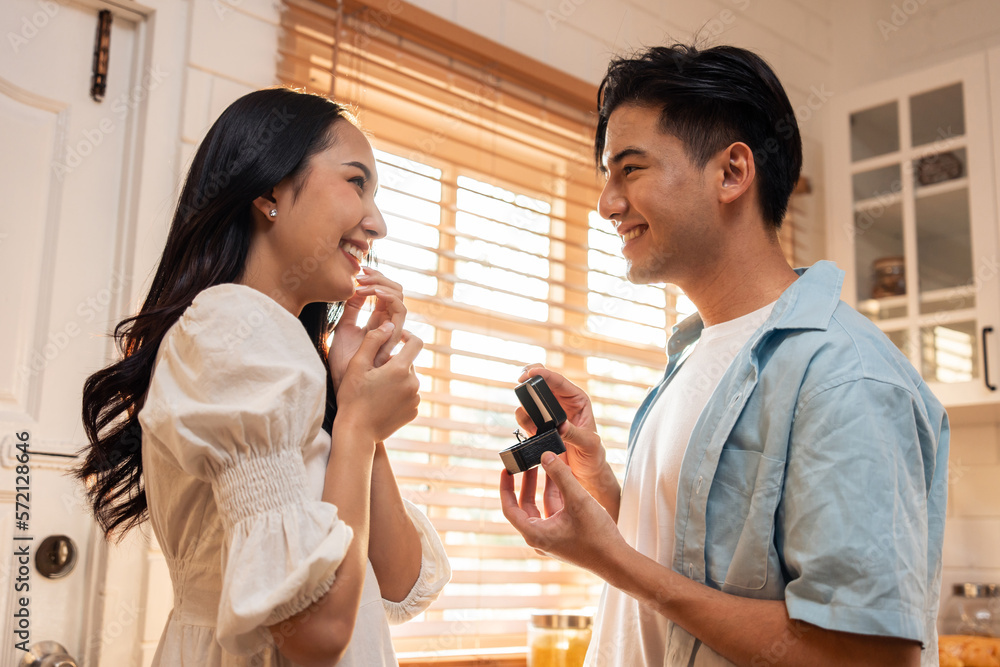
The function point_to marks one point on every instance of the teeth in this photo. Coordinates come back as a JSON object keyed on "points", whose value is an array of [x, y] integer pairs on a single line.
{"points": [[354, 251], [628, 236]]}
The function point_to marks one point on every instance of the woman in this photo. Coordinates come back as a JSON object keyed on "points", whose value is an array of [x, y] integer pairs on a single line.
{"points": [[261, 465]]}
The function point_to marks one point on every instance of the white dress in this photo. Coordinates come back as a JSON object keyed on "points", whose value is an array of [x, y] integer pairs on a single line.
{"points": [[234, 460]]}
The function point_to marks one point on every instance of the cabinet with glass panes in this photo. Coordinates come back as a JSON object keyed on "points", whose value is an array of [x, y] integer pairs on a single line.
{"points": [[912, 221]]}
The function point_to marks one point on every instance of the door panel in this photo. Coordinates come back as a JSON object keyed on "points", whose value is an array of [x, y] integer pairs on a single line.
{"points": [[61, 246], [33, 127]]}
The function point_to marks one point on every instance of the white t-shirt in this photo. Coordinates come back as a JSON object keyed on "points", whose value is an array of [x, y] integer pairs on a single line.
{"points": [[627, 633]]}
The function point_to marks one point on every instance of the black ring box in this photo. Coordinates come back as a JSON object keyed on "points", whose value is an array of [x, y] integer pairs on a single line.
{"points": [[547, 414]]}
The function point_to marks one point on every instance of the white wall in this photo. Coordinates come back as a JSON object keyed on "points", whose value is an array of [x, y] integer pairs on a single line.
{"points": [[233, 50], [878, 40]]}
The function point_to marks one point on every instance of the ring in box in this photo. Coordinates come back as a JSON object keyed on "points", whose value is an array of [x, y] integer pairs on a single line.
{"points": [[547, 414]]}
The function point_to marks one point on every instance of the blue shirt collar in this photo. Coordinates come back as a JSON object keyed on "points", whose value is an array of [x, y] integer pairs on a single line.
{"points": [[822, 282]]}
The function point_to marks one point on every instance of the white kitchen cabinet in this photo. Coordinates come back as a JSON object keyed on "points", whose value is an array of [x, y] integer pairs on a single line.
{"points": [[912, 186]]}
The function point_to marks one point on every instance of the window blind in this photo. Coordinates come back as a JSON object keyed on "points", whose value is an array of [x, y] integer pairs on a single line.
{"points": [[488, 189]]}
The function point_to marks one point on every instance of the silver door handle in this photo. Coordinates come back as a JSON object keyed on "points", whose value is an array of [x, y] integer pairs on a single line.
{"points": [[47, 654]]}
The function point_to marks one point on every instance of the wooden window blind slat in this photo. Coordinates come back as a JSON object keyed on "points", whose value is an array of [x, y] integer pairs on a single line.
{"points": [[490, 183]]}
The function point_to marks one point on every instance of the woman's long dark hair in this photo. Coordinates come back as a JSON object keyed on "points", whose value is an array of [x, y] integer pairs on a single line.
{"points": [[261, 139]]}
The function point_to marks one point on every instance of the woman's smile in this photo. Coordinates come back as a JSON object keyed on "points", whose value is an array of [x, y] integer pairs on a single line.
{"points": [[354, 253]]}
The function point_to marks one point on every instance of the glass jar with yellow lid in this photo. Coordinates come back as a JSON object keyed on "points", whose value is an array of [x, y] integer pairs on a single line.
{"points": [[558, 639]]}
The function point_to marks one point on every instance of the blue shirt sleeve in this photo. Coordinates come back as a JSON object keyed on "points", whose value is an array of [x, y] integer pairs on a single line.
{"points": [[852, 525]]}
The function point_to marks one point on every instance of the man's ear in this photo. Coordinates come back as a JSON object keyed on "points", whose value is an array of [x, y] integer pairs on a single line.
{"points": [[738, 171], [265, 204]]}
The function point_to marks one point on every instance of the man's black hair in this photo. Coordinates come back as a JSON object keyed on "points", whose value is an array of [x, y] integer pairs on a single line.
{"points": [[710, 99]]}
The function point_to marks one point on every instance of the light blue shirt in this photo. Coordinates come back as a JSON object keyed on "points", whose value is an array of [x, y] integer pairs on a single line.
{"points": [[817, 473]]}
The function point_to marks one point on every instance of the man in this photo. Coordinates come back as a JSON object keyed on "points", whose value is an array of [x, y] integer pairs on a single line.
{"points": [[784, 494]]}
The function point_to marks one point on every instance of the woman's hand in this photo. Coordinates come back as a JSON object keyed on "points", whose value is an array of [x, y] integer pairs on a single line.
{"points": [[348, 335], [379, 399]]}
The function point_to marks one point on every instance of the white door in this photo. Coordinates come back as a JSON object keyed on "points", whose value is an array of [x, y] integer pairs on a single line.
{"points": [[64, 251]]}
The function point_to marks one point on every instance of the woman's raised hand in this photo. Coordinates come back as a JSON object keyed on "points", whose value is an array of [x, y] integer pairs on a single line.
{"points": [[378, 399], [348, 335]]}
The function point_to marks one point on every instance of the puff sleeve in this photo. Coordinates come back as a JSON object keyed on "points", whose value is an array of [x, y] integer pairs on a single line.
{"points": [[238, 389], [435, 571]]}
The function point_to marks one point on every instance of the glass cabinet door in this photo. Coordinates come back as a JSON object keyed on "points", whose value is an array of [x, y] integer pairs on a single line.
{"points": [[913, 206], [913, 229]]}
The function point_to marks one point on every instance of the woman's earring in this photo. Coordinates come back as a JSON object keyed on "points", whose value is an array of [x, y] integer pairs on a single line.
{"points": [[273, 213]]}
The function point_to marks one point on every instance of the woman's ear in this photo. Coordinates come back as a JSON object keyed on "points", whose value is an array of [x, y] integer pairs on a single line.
{"points": [[738, 172], [267, 205]]}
